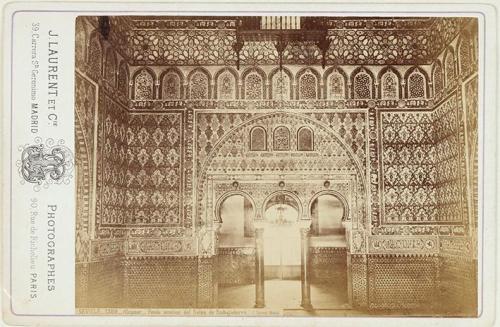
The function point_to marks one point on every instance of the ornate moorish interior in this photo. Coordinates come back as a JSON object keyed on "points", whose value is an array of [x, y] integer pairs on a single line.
{"points": [[323, 164]]}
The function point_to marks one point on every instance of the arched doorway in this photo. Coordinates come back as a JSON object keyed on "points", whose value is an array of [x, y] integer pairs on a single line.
{"points": [[328, 211], [235, 213], [281, 237]]}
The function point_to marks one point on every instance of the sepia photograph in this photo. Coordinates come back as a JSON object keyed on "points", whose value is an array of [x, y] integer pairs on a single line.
{"points": [[276, 165]]}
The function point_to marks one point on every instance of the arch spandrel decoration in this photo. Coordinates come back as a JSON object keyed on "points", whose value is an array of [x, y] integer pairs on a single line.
{"points": [[229, 155]]}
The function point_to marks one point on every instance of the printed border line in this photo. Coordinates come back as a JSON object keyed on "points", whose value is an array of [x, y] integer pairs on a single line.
{"points": [[207, 13]]}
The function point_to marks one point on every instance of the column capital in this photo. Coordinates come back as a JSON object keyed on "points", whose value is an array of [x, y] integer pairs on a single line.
{"points": [[305, 224], [259, 224]]}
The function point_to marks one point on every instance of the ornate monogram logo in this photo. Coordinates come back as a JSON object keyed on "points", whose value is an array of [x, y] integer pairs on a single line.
{"points": [[45, 164]]}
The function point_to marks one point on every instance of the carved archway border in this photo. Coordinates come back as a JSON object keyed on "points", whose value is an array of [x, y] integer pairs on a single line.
{"points": [[279, 192], [202, 172]]}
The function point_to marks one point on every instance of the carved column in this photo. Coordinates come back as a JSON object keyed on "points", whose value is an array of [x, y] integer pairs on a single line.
{"points": [[304, 269], [259, 267]]}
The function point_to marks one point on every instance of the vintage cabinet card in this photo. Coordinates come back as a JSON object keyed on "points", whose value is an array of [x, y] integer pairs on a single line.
{"points": [[249, 164]]}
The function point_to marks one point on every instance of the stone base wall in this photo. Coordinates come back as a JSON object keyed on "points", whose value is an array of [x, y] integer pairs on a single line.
{"points": [[168, 282], [397, 283], [100, 284], [458, 289], [236, 266]]}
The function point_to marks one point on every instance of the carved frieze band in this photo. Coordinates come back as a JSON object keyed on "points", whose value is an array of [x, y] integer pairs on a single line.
{"points": [[403, 244]]}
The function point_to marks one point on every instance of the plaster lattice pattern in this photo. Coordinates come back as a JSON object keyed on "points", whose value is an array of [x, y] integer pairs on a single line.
{"points": [[154, 173], [408, 157]]}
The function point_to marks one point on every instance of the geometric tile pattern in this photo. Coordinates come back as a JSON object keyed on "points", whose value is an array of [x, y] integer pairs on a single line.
{"points": [[162, 282], [85, 93], [402, 283], [236, 266], [448, 192], [154, 174], [352, 41], [111, 162], [471, 118], [408, 169]]}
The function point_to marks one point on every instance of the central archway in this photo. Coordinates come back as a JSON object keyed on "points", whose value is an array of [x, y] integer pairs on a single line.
{"points": [[231, 154], [281, 212]]}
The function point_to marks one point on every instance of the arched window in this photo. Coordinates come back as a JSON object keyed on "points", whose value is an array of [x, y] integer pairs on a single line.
{"points": [[199, 86], [305, 139], [281, 86], [438, 78], [143, 85], [336, 86], [110, 67], [362, 85], [254, 87], [390, 85], [226, 86], [449, 68], [171, 86], [281, 139], [464, 54], [416, 85], [258, 139], [122, 79], [308, 86]]}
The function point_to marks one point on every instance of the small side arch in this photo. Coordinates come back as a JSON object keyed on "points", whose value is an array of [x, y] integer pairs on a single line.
{"points": [[233, 72], [190, 84], [383, 71], [273, 74], [326, 82], [149, 72], [244, 92], [180, 76], [416, 70], [298, 81], [358, 72]]}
